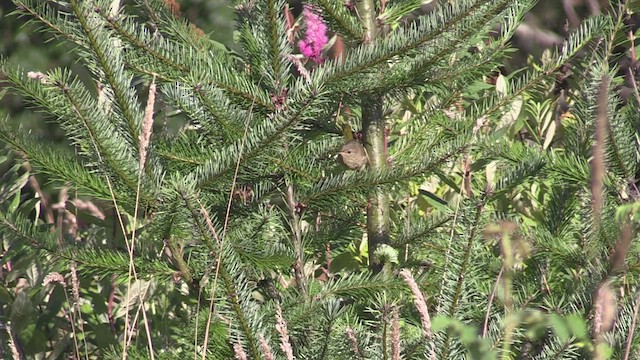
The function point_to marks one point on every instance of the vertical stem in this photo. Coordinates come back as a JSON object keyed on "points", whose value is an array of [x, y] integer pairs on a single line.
{"points": [[373, 126], [296, 236], [367, 12]]}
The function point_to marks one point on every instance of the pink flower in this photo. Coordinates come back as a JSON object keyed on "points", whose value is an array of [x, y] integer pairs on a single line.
{"points": [[315, 35]]}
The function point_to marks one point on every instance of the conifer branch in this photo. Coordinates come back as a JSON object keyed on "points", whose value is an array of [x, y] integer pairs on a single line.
{"points": [[346, 23], [228, 284], [142, 42], [101, 263], [61, 166], [426, 74], [278, 48], [113, 70], [221, 162], [171, 61], [208, 108], [381, 50], [96, 136], [365, 285], [417, 231], [414, 71], [58, 25], [86, 126], [21, 231], [177, 256], [453, 308], [598, 164], [332, 185], [218, 112]]}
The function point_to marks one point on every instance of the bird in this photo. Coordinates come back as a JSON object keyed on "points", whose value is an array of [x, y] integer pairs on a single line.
{"points": [[353, 155]]}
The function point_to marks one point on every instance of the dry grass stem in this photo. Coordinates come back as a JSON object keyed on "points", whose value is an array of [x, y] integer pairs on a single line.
{"points": [[598, 167], [423, 310], [238, 352], [207, 219], [128, 243], [57, 278], [54, 277], [281, 327], [75, 287], [490, 303], [354, 342], [632, 328], [147, 124], [224, 232], [88, 207], [418, 300], [266, 349], [395, 335], [621, 249], [605, 310], [144, 138]]}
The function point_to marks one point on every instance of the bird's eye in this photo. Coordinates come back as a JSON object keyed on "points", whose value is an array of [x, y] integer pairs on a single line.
{"points": [[348, 151]]}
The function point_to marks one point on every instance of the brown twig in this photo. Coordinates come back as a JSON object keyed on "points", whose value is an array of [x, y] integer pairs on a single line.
{"points": [[44, 201], [224, 232], [632, 328], [571, 13], [493, 295], [634, 61]]}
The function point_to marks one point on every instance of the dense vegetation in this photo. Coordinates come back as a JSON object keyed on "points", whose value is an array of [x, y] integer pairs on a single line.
{"points": [[195, 207]]}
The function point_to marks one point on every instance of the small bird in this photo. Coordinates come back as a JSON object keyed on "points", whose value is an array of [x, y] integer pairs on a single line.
{"points": [[353, 155]]}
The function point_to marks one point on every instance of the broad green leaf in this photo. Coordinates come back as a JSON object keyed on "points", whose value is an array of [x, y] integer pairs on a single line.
{"points": [[560, 327], [548, 136], [22, 312], [344, 261]]}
